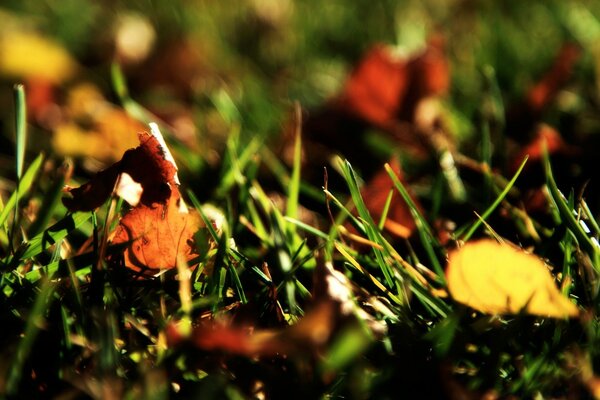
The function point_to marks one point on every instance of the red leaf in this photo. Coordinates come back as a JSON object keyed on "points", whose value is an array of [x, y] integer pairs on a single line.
{"points": [[399, 220], [383, 88], [523, 116], [546, 89], [547, 136], [375, 89]]}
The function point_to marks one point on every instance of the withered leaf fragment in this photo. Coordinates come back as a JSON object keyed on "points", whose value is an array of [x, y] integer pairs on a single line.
{"points": [[159, 229], [333, 310]]}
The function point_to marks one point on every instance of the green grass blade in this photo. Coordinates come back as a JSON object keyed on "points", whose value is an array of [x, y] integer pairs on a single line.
{"points": [[20, 126], [495, 204], [55, 233], [61, 268], [236, 163], [590, 218], [207, 222], [348, 345], [386, 209], [369, 225], [566, 214], [307, 228], [235, 278], [294, 185], [278, 169], [22, 188], [425, 233], [131, 106], [49, 203], [283, 257], [32, 327]]}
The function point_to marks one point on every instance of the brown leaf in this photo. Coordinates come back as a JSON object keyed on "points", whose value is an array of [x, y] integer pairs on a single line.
{"points": [[159, 228], [333, 308], [160, 234]]}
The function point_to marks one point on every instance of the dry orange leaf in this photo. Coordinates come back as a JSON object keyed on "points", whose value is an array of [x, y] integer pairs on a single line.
{"points": [[503, 279], [159, 230]]}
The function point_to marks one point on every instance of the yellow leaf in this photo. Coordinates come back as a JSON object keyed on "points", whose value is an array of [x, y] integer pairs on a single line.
{"points": [[70, 139], [108, 131], [28, 55], [503, 279]]}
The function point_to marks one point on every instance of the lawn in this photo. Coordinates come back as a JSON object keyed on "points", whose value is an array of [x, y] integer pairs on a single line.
{"points": [[272, 199]]}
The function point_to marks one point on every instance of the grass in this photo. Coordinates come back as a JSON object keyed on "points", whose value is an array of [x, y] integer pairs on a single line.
{"points": [[75, 325]]}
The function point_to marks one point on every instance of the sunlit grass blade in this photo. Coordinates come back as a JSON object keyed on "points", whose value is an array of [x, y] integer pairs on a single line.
{"points": [[205, 219], [352, 261], [284, 259], [54, 234], [428, 240], [245, 261], [257, 222], [386, 209], [566, 214], [306, 227], [131, 106], [495, 204], [369, 225], [293, 191], [237, 283], [216, 283], [20, 127], [236, 162], [22, 188], [225, 106], [590, 218], [61, 268], [348, 345]]}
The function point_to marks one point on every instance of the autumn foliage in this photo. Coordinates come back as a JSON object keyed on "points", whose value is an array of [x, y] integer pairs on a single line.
{"points": [[344, 200], [159, 229]]}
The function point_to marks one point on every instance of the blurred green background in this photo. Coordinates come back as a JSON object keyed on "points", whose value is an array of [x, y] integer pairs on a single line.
{"points": [[203, 65]]}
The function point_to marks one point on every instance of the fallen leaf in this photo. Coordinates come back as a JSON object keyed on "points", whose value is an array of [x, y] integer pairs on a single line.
{"points": [[533, 180], [159, 229], [557, 76], [503, 279], [523, 116], [93, 127], [399, 220], [334, 308], [383, 91], [27, 55], [384, 88], [544, 136], [376, 88]]}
